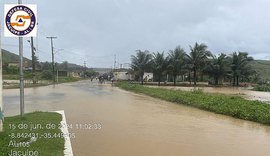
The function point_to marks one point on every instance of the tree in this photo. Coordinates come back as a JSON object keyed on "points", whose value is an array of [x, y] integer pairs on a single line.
{"points": [[159, 65], [197, 58], [239, 66], [141, 62], [64, 65], [217, 68], [46, 66], [91, 73], [176, 60], [47, 75], [10, 70]]}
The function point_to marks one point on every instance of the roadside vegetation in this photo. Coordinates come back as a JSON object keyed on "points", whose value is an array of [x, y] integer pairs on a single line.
{"points": [[263, 88], [199, 64], [222, 104], [29, 84], [44, 76], [49, 144]]}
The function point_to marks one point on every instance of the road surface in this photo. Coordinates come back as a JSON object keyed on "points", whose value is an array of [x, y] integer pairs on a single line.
{"points": [[138, 125]]}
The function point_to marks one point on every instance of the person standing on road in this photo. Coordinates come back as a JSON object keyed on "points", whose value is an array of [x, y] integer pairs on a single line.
{"points": [[112, 81]]}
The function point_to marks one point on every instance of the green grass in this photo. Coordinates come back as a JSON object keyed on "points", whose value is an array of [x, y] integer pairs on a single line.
{"points": [[11, 77], [222, 104], [44, 146], [69, 79]]}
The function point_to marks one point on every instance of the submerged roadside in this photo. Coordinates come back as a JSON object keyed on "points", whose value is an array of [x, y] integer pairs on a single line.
{"points": [[233, 106], [28, 84]]}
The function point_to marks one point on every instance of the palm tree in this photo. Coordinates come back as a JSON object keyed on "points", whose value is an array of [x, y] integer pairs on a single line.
{"points": [[217, 68], [239, 66], [141, 62], [159, 65], [176, 60], [197, 58]]}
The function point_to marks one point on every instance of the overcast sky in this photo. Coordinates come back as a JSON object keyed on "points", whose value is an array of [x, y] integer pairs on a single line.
{"points": [[95, 30]]}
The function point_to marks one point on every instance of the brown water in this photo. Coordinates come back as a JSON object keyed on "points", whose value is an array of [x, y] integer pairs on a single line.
{"points": [[239, 91], [137, 125]]}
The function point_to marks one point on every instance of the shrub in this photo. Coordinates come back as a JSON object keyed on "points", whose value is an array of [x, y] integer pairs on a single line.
{"points": [[47, 75]]}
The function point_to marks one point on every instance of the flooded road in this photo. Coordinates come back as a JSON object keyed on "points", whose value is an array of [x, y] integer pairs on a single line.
{"points": [[138, 125]]}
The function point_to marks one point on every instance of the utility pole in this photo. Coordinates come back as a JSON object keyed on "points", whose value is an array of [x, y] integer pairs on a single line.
{"points": [[84, 64], [21, 73], [118, 61], [52, 37], [57, 76], [33, 61], [114, 62]]}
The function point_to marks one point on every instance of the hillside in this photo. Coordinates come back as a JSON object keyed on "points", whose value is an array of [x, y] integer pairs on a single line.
{"points": [[262, 67], [11, 57]]}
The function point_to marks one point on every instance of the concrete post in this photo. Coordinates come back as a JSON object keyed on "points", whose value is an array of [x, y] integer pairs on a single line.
{"points": [[1, 87]]}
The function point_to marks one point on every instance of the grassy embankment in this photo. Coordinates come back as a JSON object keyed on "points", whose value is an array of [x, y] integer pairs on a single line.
{"points": [[51, 144], [222, 104]]}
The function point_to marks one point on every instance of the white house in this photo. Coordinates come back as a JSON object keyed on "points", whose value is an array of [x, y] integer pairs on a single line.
{"points": [[122, 74], [148, 76]]}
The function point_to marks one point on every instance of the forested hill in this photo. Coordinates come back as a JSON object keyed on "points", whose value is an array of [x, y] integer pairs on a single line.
{"points": [[261, 66], [11, 57]]}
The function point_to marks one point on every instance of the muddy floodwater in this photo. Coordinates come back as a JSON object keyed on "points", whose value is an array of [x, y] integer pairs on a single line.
{"points": [[244, 92], [138, 125]]}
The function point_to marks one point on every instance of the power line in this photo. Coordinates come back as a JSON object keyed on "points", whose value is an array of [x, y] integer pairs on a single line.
{"points": [[84, 72]]}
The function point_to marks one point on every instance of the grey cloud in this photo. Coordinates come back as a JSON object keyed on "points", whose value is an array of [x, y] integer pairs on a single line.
{"points": [[96, 30]]}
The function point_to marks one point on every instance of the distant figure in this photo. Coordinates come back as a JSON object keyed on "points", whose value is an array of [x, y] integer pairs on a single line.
{"points": [[112, 81], [101, 79]]}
